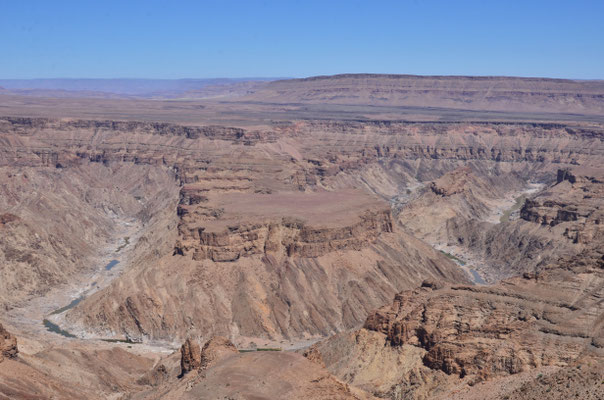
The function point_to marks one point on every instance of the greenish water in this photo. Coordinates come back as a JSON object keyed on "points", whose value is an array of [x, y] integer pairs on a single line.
{"points": [[477, 278], [52, 327], [517, 206], [68, 306], [452, 257]]}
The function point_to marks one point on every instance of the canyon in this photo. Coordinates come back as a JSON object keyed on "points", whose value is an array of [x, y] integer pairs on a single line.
{"points": [[333, 237]]}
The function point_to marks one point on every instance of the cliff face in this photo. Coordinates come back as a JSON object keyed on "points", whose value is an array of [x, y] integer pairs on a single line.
{"points": [[485, 332], [573, 205], [434, 340], [325, 147], [292, 238], [274, 233], [443, 334]]}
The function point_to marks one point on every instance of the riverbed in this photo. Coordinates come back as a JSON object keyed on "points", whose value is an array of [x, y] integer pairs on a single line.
{"points": [[40, 317]]}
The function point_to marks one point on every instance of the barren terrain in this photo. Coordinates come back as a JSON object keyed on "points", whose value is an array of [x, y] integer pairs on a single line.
{"points": [[283, 222]]}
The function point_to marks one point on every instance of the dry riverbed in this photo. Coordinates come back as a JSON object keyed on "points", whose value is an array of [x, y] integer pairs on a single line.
{"points": [[39, 322], [505, 210]]}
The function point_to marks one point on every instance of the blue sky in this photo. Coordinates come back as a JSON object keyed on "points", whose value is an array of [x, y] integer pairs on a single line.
{"points": [[204, 39]]}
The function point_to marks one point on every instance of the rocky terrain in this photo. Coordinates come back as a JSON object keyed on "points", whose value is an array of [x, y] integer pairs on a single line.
{"points": [[8, 345], [551, 318], [140, 251]]}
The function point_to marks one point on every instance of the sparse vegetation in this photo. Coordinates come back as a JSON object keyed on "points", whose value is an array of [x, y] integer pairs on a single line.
{"points": [[261, 349], [128, 341]]}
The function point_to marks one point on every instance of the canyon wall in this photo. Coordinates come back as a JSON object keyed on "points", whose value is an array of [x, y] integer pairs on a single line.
{"points": [[282, 231]]}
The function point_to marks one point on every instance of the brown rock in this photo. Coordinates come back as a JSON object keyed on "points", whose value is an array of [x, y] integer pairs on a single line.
{"points": [[155, 377], [314, 354], [483, 331], [8, 345], [190, 356], [215, 350]]}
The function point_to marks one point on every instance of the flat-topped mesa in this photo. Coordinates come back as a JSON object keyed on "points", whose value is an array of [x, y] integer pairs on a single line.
{"points": [[281, 225], [8, 345]]}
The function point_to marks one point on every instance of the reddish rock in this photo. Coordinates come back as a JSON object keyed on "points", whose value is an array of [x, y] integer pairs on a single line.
{"points": [[8, 345], [520, 324], [190, 356], [216, 349]]}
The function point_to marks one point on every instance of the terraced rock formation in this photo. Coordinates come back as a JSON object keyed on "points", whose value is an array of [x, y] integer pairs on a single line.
{"points": [[552, 318], [271, 202], [279, 223]]}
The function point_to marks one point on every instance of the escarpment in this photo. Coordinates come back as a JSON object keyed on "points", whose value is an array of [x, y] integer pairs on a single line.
{"points": [[286, 230], [328, 147], [451, 92]]}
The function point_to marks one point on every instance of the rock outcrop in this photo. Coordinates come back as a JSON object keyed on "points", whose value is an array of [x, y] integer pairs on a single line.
{"points": [[551, 318], [193, 358], [485, 332], [190, 356], [433, 339], [548, 318], [573, 206], [8, 345], [215, 350]]}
